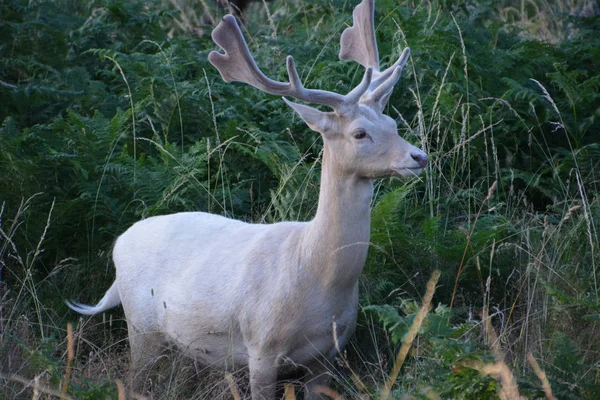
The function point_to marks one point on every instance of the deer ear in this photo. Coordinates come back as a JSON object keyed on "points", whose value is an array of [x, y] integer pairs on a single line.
{"points": [[316, 120]]}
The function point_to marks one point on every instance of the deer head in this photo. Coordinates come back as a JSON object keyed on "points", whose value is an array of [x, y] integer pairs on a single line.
{"points": [[359, 139]]}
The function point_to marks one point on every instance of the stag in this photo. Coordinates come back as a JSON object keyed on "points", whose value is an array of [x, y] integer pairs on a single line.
{"points": [[269, 296]]}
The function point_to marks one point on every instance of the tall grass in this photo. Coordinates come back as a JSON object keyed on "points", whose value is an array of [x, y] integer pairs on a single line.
{"points": [[138, 124]]}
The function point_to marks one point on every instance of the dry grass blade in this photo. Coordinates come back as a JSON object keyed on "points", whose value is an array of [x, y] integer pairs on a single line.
{"points": [[289, 393], [508, 389], [508, 386], [37, 386], [412, 333], [491, 335], [70, 356], [332, 394], [232, 387], [120, 389], [36, 392], [539, 372], [461, 267], [570, 213], [357, 381]]}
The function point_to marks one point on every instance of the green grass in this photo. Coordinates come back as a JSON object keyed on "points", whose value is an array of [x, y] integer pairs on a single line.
{"points": [[111, 113]]}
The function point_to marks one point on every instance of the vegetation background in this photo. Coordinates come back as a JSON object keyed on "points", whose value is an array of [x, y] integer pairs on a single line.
{"points": [[110, 113]]}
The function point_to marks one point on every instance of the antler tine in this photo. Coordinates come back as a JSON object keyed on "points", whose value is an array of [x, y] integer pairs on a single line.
{"points": [[357, 92], [237, 64], [400, 63], [298, 91], [358, 41], [388, 78], [386, 87]]}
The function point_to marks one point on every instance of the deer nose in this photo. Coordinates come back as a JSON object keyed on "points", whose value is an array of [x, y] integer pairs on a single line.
{"points": [[421, 158]]}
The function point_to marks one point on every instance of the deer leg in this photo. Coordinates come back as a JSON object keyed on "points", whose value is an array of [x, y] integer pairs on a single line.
{"points": [[263, 377], [145, 350]]}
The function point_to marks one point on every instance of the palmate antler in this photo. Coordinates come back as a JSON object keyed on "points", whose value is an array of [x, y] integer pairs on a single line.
{"points": [[238, 65], [358, 44]]}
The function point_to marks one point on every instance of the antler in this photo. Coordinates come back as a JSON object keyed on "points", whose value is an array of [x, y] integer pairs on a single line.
{"points": [[358, 44], [237, 64], [358, 41]]}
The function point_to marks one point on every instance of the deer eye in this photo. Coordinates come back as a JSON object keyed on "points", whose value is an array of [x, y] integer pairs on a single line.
{"points": [[360, 134]]}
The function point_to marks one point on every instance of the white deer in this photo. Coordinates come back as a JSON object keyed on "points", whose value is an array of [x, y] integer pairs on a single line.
{"points": [[266, 296]]}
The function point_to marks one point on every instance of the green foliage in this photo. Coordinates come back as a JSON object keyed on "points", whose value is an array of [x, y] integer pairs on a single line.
{"points": [[568, 370], [442, 347], [44, 361], [110, 113]]}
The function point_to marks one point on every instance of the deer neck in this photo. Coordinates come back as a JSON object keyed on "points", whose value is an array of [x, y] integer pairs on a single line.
{"points": [[337, 239]]}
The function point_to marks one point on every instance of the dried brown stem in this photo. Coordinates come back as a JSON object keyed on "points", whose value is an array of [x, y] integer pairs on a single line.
{"points": [[357, 381], [232, 387], [70, 357], [332, 394], [541, 374], [289, 393], [412, 334], [39, 387]]}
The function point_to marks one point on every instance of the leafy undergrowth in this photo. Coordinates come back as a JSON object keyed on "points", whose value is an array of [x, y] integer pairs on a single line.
{"points": [[110, 113]]}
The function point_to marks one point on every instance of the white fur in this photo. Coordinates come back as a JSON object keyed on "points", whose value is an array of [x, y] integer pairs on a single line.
{"points": [[234, 294], [111, 299]]}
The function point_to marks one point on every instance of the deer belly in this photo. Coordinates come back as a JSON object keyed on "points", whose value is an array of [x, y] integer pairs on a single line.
{"points": [[212, 341], [319, 345], [217, 349]]}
